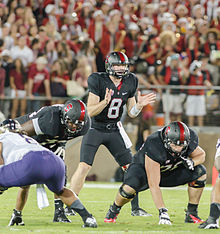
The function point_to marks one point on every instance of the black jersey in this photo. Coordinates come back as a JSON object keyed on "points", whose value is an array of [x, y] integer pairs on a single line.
{"points": [[97, 84], [154, 148], [50, 129]]}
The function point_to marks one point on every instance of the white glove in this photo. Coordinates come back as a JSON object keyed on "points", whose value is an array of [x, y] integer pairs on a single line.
{"points": [[188, 163], [164, 217], [60, 151]]}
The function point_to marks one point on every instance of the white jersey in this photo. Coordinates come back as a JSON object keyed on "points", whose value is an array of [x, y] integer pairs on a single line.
{"points": [[217, 154], [15, 146]]}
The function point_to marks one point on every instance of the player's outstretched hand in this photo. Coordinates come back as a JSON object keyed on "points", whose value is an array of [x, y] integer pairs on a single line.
{"points": [[143, 100], [164, 217], [188, 163]]}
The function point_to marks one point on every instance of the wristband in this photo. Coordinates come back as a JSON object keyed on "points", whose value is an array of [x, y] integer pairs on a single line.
{"points": [[135, 111]]}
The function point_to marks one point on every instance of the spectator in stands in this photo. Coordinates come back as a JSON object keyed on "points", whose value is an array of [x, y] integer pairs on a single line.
{"points": [[82, 72], [35, 46], [52, 17], [192, 50], [23, 52], [167, 43], [213, 41], [132, 41], [88, 50], [172, 74], [58, 81], [96, 27], [6, 64], [18, 83], [195, 102], [38, 83], [5, 35], [50, 53]]}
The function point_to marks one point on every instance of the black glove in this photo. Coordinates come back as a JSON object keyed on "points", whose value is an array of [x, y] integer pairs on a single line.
{"points": [[164, 217], [188, 163]]}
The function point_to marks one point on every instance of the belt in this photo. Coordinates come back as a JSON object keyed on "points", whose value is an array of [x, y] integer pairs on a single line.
{"points": [[105, 126]]}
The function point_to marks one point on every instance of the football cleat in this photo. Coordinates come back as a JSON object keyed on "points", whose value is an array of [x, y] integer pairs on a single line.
{"points": [[192, 217], [111, 216], [140, 212], [59, 216], [90, 222], [69, 211], [210, 223], [16, 218]]}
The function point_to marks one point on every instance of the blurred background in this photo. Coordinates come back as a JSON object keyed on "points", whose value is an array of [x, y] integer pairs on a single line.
{"points": [[48, 48]]}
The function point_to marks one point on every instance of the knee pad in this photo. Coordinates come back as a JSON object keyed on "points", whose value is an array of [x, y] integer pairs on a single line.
{"points": [[197, 184], [201, 170], [126, 195]]}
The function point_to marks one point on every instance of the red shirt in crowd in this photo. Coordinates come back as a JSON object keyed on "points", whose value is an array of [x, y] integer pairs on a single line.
{"points": [[18, 79], [38, 77]]}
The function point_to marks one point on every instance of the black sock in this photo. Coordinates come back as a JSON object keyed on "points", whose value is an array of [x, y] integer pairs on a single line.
{"points": [[116, 208], [80, 209], [192, 208], [215, 210], [58, 203], [135, 203]]}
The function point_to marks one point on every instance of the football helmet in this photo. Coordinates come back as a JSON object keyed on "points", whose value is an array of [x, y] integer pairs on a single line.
{"points": [[117, 58], [74, 112], [177, 133]]}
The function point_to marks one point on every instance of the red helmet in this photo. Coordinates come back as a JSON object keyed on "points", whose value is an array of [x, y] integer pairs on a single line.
{"points": [[117, 58]]}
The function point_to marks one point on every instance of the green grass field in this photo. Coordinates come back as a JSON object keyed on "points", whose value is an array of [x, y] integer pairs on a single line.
{"points": [[97, 200]]}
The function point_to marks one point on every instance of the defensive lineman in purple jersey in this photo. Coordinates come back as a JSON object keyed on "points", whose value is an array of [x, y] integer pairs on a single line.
{"points": [[25, 162], [52, 126], [108, 93]]}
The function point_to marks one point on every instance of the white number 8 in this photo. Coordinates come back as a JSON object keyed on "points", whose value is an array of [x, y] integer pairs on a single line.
{"points": [[113, 111]]}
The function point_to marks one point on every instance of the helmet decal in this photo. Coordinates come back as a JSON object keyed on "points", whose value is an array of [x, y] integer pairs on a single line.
{"points": [[176, 133], [83, 111], [68, 107], [121, 56], [182, 133]]}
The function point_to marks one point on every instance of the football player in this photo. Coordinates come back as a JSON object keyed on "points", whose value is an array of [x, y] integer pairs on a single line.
{"points": [[24, 162], [169, 157], [108, 93], [52, 126], [213, 220]]}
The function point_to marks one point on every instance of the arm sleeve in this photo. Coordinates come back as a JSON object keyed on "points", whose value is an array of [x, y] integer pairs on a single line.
{"points": [[134, 86], [93, 84], [153, 150], [194, 142]]}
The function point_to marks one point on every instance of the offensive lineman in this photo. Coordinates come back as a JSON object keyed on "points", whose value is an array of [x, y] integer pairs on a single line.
{"points": [[168, 158], [108, 92], [52, 126]]}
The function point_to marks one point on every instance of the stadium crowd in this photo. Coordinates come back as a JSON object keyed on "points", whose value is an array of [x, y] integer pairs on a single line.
{"points": [[45, 44]]}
